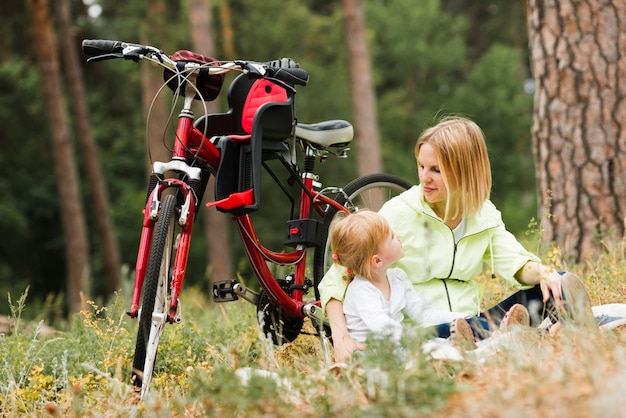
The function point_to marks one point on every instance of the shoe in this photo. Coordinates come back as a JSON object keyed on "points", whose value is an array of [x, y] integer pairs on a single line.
{"points": [[461, 334], [516, 315], [576, 301]]}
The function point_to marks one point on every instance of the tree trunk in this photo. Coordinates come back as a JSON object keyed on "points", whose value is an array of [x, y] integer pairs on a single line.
{"points": [[100, 202], [215, 223], [155, 108], [228, 34], [362, 88], [72, 215], [363, 98], [579, 133]]}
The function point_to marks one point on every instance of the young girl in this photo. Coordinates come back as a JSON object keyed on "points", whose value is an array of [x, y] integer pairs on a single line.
{"points": [[377, 297]]}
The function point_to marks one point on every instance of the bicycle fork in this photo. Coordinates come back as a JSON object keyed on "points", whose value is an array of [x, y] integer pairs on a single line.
{"points": [[189, 191]]}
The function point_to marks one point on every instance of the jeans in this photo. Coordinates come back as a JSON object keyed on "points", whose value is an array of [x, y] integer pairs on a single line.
{"points": [[483, 324]]}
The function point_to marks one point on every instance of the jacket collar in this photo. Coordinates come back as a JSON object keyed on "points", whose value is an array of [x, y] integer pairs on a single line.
{"points": [[488, 217]]}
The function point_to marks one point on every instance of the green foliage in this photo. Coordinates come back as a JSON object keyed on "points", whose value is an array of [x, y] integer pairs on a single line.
{"points": [[214, 363], [425, 68], [29, 213], [438, 56], [401, 380], [418, 56], [494, 97]]}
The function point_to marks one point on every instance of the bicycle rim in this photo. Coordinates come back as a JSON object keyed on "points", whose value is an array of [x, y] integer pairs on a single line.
{"points": [[367, 192], [154, 308]]}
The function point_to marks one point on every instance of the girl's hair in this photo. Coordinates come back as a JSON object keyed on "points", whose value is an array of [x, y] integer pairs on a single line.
{"points": [[460, 147], [356, 238]]}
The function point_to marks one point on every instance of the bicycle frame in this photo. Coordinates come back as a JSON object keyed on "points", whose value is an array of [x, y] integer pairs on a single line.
{"points": [[190, 141], [234, 147]]}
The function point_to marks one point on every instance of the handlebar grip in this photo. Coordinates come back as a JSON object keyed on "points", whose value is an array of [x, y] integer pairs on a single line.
{"points": [[97, 47], [292, 76]]}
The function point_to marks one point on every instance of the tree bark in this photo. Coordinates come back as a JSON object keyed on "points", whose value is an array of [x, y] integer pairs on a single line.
{"points": [[228, 34], [579, 136], [100, 201], [72, 215], [215, 223], [362, 88], [155, 108]]}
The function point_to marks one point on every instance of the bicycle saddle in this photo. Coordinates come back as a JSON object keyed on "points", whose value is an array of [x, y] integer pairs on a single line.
{"points": [[328, 133]]}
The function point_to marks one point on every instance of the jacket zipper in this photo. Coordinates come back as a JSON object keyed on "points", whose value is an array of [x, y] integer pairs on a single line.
{"points": [[445, 285]]}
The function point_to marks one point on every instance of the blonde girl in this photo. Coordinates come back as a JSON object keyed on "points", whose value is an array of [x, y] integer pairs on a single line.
{"points": [[377, 297]]}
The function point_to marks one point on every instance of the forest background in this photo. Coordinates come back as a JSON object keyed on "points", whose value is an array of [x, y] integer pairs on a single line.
{"points": [[443, 57]]}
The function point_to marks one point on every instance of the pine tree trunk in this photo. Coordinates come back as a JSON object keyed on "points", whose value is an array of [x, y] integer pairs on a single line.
{"points": [[155, 108], [72, 215], [367, 137], [579, 132], [100, 201], [215, 223]]}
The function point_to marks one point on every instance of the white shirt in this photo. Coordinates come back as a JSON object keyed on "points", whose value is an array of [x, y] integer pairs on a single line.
{"points": [[366, 310]]}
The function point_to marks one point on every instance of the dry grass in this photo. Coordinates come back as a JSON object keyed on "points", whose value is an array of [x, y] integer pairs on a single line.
{"points": [[580, 373], [84, 371]]}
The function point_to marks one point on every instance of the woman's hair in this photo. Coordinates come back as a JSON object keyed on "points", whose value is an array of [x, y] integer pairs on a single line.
{"points": [[460, 147], [356, 238]]}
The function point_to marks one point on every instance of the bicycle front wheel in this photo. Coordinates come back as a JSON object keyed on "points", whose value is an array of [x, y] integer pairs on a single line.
{"points": [[367, 192], [154, 308]]}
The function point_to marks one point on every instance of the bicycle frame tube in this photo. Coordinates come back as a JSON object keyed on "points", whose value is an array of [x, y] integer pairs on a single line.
{"points": [[305, 209], [192, 143], [258, 255]]}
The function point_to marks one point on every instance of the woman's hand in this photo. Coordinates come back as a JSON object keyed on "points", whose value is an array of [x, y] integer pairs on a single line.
{"points": [[344, 345], [549, 280], [552, 284]]}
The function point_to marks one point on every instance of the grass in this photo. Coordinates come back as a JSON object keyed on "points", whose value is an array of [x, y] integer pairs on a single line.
{"points": [[84, 370]]}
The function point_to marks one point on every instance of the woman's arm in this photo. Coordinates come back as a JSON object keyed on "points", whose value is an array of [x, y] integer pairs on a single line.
{"points": [[548, 278], [343, 343]]}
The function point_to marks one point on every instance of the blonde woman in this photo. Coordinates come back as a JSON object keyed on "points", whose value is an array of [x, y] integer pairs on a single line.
{"points": [[450, 230]]}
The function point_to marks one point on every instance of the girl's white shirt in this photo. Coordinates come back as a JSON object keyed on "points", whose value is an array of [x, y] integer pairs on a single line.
{"points": [[367, 311]]}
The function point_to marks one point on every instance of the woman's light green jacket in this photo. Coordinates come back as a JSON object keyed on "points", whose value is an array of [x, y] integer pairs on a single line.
{"points": [[441, 271]]}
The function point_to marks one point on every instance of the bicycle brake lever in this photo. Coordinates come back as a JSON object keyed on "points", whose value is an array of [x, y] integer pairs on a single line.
{"points": [[104, 57], [252, 68]]}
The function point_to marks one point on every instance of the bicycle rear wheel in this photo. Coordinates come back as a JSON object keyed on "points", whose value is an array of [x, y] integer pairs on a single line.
{"points": [[274, 324], [154, 308], [367, 192]]}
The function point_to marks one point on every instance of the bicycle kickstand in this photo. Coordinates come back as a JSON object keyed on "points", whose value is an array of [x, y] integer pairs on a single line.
{"points": [[317, 316]]}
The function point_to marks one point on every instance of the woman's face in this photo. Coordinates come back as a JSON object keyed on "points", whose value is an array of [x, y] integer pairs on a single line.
{"points": [[435, 191]]}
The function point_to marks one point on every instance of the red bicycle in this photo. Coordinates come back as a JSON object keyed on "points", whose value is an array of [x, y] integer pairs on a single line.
{"points": [[236, 147]]}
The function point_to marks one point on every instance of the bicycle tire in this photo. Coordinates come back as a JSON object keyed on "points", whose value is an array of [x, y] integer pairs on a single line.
{"points": [[155, 304], [359, 197]]}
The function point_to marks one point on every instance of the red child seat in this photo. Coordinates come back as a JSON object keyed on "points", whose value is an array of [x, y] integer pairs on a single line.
{"points": [[259, 119]]}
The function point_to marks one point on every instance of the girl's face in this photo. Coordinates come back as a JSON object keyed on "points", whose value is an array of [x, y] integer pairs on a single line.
{"points": [[390, 249], [435, 191]]}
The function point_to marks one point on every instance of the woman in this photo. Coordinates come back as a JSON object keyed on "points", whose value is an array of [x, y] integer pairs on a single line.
{"points": [[449, 230]]}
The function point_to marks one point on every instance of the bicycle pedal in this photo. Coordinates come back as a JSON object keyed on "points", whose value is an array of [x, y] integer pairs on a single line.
{"points": [[223, 291]]}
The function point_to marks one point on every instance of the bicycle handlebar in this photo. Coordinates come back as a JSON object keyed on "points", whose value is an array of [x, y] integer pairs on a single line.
{"points": [[103, 49], [284, 69]]}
